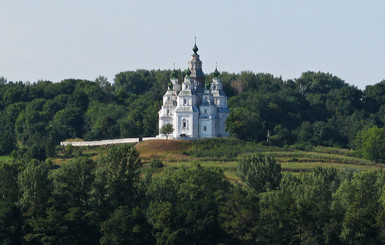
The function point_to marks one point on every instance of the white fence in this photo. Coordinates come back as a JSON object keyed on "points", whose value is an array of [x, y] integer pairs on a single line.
{"points": [[101, 142]]}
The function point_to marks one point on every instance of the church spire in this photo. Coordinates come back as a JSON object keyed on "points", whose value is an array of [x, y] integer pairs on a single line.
{"points": [[195, 48], [216, 72], [195, 66]]}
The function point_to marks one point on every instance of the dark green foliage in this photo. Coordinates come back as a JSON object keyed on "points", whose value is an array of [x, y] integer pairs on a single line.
{"points": [[239, 216], [116, 180], [9, 191], [259, 172], [156, 163], [184, 205], [10, 223], [126, 226], [69, 150]]}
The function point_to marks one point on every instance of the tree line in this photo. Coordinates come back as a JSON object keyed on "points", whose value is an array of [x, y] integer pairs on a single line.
{"points": [[110, 202], [315, 109]]}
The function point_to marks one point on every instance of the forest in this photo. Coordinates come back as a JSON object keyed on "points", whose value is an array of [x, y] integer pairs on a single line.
{"points": [[110, 200]]}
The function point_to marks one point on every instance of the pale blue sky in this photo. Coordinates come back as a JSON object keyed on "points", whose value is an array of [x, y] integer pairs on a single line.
{"points": [[54, 40]]}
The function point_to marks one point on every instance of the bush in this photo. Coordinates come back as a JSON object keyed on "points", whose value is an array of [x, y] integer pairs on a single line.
{"points": [[259, 172], [156, 163], [69, 150]]}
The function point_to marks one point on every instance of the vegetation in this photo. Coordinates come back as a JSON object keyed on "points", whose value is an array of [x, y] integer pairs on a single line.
{"points": [[111, 201], [301, 184], [316, 109], [166, 129]]}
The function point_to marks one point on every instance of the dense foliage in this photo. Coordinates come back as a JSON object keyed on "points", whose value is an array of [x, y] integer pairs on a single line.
{"points": [[109, 202], [314, 109]]}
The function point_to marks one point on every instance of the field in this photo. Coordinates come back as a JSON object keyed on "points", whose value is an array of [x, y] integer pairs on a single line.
{"points": [[225, 154]]}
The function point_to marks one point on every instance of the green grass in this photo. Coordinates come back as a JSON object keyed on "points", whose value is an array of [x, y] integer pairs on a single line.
{"points": [[226, 153], [5, 158]]}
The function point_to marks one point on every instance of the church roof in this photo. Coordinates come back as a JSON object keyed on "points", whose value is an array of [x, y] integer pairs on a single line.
{"points": [[187, 93], [218, 93], [186, 109]]}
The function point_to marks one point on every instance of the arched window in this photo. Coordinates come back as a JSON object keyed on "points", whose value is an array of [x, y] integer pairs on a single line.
{"points": [[168, 111], [204, 128], [184, 124], [184, 101]]}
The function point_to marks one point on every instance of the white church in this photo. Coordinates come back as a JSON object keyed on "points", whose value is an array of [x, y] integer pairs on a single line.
{"points": [[196, 109]]}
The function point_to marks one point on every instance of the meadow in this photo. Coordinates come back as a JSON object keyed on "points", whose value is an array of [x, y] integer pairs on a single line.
{"points": [[225, 154]]}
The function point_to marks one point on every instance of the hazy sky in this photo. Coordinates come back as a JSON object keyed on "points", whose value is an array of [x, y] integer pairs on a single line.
{"points": [[54, 40]]}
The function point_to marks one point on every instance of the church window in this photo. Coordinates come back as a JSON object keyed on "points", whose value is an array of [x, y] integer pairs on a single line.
{"points": [[205, 111], [168, 111], [184, 101], [204, 128], [186, 86], [168, 97], [184, 124], [215, 87]]}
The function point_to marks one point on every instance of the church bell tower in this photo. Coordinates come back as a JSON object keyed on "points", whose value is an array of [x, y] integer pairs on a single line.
{"points": [[195, 66]]}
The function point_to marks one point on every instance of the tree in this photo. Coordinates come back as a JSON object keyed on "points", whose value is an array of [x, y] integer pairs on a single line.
{"points": [[167, 129], [9, 190], [370, 144], [184, 205], [239, 216], [10, 223], [259, 172], [35, 186], [72, 186], [126, 226], [357, 200], [117, 180], [244, 124]]}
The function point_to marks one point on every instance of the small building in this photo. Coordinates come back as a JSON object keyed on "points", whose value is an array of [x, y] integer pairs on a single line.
{"points": [[196, 108]]}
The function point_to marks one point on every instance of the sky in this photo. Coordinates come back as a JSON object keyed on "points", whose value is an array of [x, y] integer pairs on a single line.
{"points": [[83, 39]]}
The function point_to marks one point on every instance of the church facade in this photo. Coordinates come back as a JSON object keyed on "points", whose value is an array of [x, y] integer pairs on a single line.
{"points": [[196, 108]]}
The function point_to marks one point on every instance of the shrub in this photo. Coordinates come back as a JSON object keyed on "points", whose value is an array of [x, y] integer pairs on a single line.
{"points": [[259, 172], [156, 163]]}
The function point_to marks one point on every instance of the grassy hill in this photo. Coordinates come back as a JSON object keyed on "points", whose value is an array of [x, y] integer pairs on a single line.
{"points": [[225, 154]]}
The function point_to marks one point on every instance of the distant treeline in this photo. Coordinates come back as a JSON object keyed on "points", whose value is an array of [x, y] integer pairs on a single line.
{"points": [[315, 109], [110, 202]]}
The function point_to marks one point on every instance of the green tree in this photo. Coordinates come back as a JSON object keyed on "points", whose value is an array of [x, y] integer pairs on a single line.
{"points": [[370, 144], [72, 186], [35, 186], [117, 180], [10, 223], [9, 190], [358, 201], [126, 226], [184, 205], [259, 172], [166, 129], [239, 216]]}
